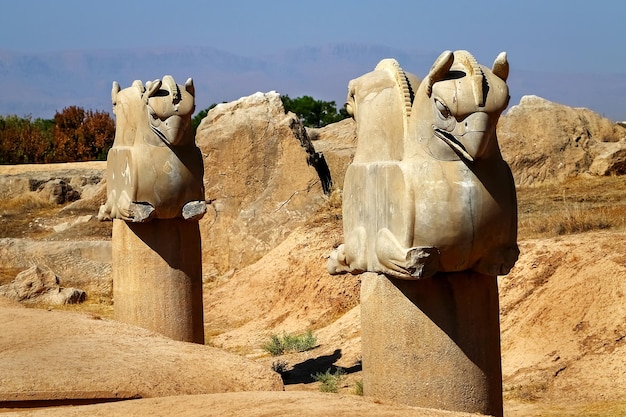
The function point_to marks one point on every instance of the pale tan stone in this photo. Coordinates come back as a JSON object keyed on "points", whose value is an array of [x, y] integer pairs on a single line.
{"points": [[428, 190], [155, 172], [430, 214], [154, 169], [432, 343], [157, 277]]}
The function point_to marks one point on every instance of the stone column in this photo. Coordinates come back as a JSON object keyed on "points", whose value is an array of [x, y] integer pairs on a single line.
{"points": [[433, 342], [157, 277]]}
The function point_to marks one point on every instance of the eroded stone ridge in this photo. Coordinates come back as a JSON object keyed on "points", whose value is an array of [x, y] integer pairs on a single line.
{"points": [[428, 190], [154, 169]]}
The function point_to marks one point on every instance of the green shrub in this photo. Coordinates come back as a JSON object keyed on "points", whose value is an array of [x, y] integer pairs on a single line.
{"points": [[330, 381], [358, 387], [278, 345]]}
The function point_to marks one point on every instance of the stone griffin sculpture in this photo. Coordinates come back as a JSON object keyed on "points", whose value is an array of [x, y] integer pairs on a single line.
{"points": [[154, 169], [428, 190]]}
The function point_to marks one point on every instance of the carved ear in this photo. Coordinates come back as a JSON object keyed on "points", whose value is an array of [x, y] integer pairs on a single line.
{"points": [[439, 69], [190, 87], [350, 103], [116, 89], [139, 86], [501, 66]]}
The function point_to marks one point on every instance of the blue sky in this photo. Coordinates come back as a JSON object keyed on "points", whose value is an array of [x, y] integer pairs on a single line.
{"points": [[547, 35], [557, 36]]}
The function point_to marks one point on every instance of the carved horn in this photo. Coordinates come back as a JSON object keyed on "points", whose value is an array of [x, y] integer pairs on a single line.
{"points": [[439, 69], [151, 88], [171, 85], [501, 66]]}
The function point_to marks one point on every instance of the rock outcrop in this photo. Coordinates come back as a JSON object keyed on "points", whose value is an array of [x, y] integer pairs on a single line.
{"points": [[40, 284], [262, 177], [82, 264], [545, 141], [59, 355]]}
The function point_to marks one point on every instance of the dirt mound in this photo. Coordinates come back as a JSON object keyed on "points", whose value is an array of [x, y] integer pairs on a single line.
{"points": [[563, 320], [52, 355], [288, 290]]}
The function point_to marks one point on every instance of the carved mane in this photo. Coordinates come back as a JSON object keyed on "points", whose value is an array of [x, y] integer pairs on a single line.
{"points": [[406, 90]]}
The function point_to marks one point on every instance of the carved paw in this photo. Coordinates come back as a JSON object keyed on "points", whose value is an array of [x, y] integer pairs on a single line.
{"points": [[348, 257], [337, 261], [139, 212], [498, 262], [194, 210], [422, 261], [405, 263], [104, 213]]}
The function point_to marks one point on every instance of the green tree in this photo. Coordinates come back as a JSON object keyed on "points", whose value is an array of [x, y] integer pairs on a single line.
{"points": [[312, 112]]}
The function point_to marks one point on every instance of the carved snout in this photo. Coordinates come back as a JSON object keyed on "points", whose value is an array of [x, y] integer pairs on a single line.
{"points": [[170, 130], [474, 134]]}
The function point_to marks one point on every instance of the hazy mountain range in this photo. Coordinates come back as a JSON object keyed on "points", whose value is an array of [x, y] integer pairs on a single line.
{"points": [[41, 84]]}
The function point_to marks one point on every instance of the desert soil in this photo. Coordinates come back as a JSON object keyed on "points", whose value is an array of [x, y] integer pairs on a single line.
{"points": [[562, 332]]}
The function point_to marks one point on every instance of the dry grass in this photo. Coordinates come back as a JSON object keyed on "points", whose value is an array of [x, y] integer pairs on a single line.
{"points": [[601, 409], [98, 307], [32, 216], [577, 206]]}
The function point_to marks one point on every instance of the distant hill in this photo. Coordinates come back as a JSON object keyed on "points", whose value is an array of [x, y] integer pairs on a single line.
{"points": [[40, 84]]}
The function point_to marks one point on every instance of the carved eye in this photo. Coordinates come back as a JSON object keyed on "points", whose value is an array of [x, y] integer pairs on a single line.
{"points": [[443, 110]]}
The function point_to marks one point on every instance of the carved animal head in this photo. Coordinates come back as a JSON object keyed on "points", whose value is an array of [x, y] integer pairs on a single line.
{"points": [[162, 105], [457, 106], [169, 108]]}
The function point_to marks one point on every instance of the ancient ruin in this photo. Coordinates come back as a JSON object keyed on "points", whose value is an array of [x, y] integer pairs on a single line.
{"points": [[155, 196], [428, 195]]}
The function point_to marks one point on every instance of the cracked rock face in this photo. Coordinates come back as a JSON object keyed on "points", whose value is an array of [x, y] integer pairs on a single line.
{"points": [[260, 176]]}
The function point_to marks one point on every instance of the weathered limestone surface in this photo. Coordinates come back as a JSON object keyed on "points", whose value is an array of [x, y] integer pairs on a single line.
{"points": [[40, 284], [154, 169], [80, 264], [428, 189], [60, 355], [430, 217], [157, 277], [263, 177], [545, 141], [155, 195], [433, 342]]}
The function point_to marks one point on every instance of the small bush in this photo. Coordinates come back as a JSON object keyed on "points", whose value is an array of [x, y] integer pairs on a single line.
{"points": [[280, 366], [358, 387], [329, 381], [290, 343]]}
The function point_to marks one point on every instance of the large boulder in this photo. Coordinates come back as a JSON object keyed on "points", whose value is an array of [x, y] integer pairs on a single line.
{"points": [[545, 141], [40, 284], [262, 176]]}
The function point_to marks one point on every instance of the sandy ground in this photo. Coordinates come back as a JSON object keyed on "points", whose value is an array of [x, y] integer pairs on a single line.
{"points": [[562, 332]]}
